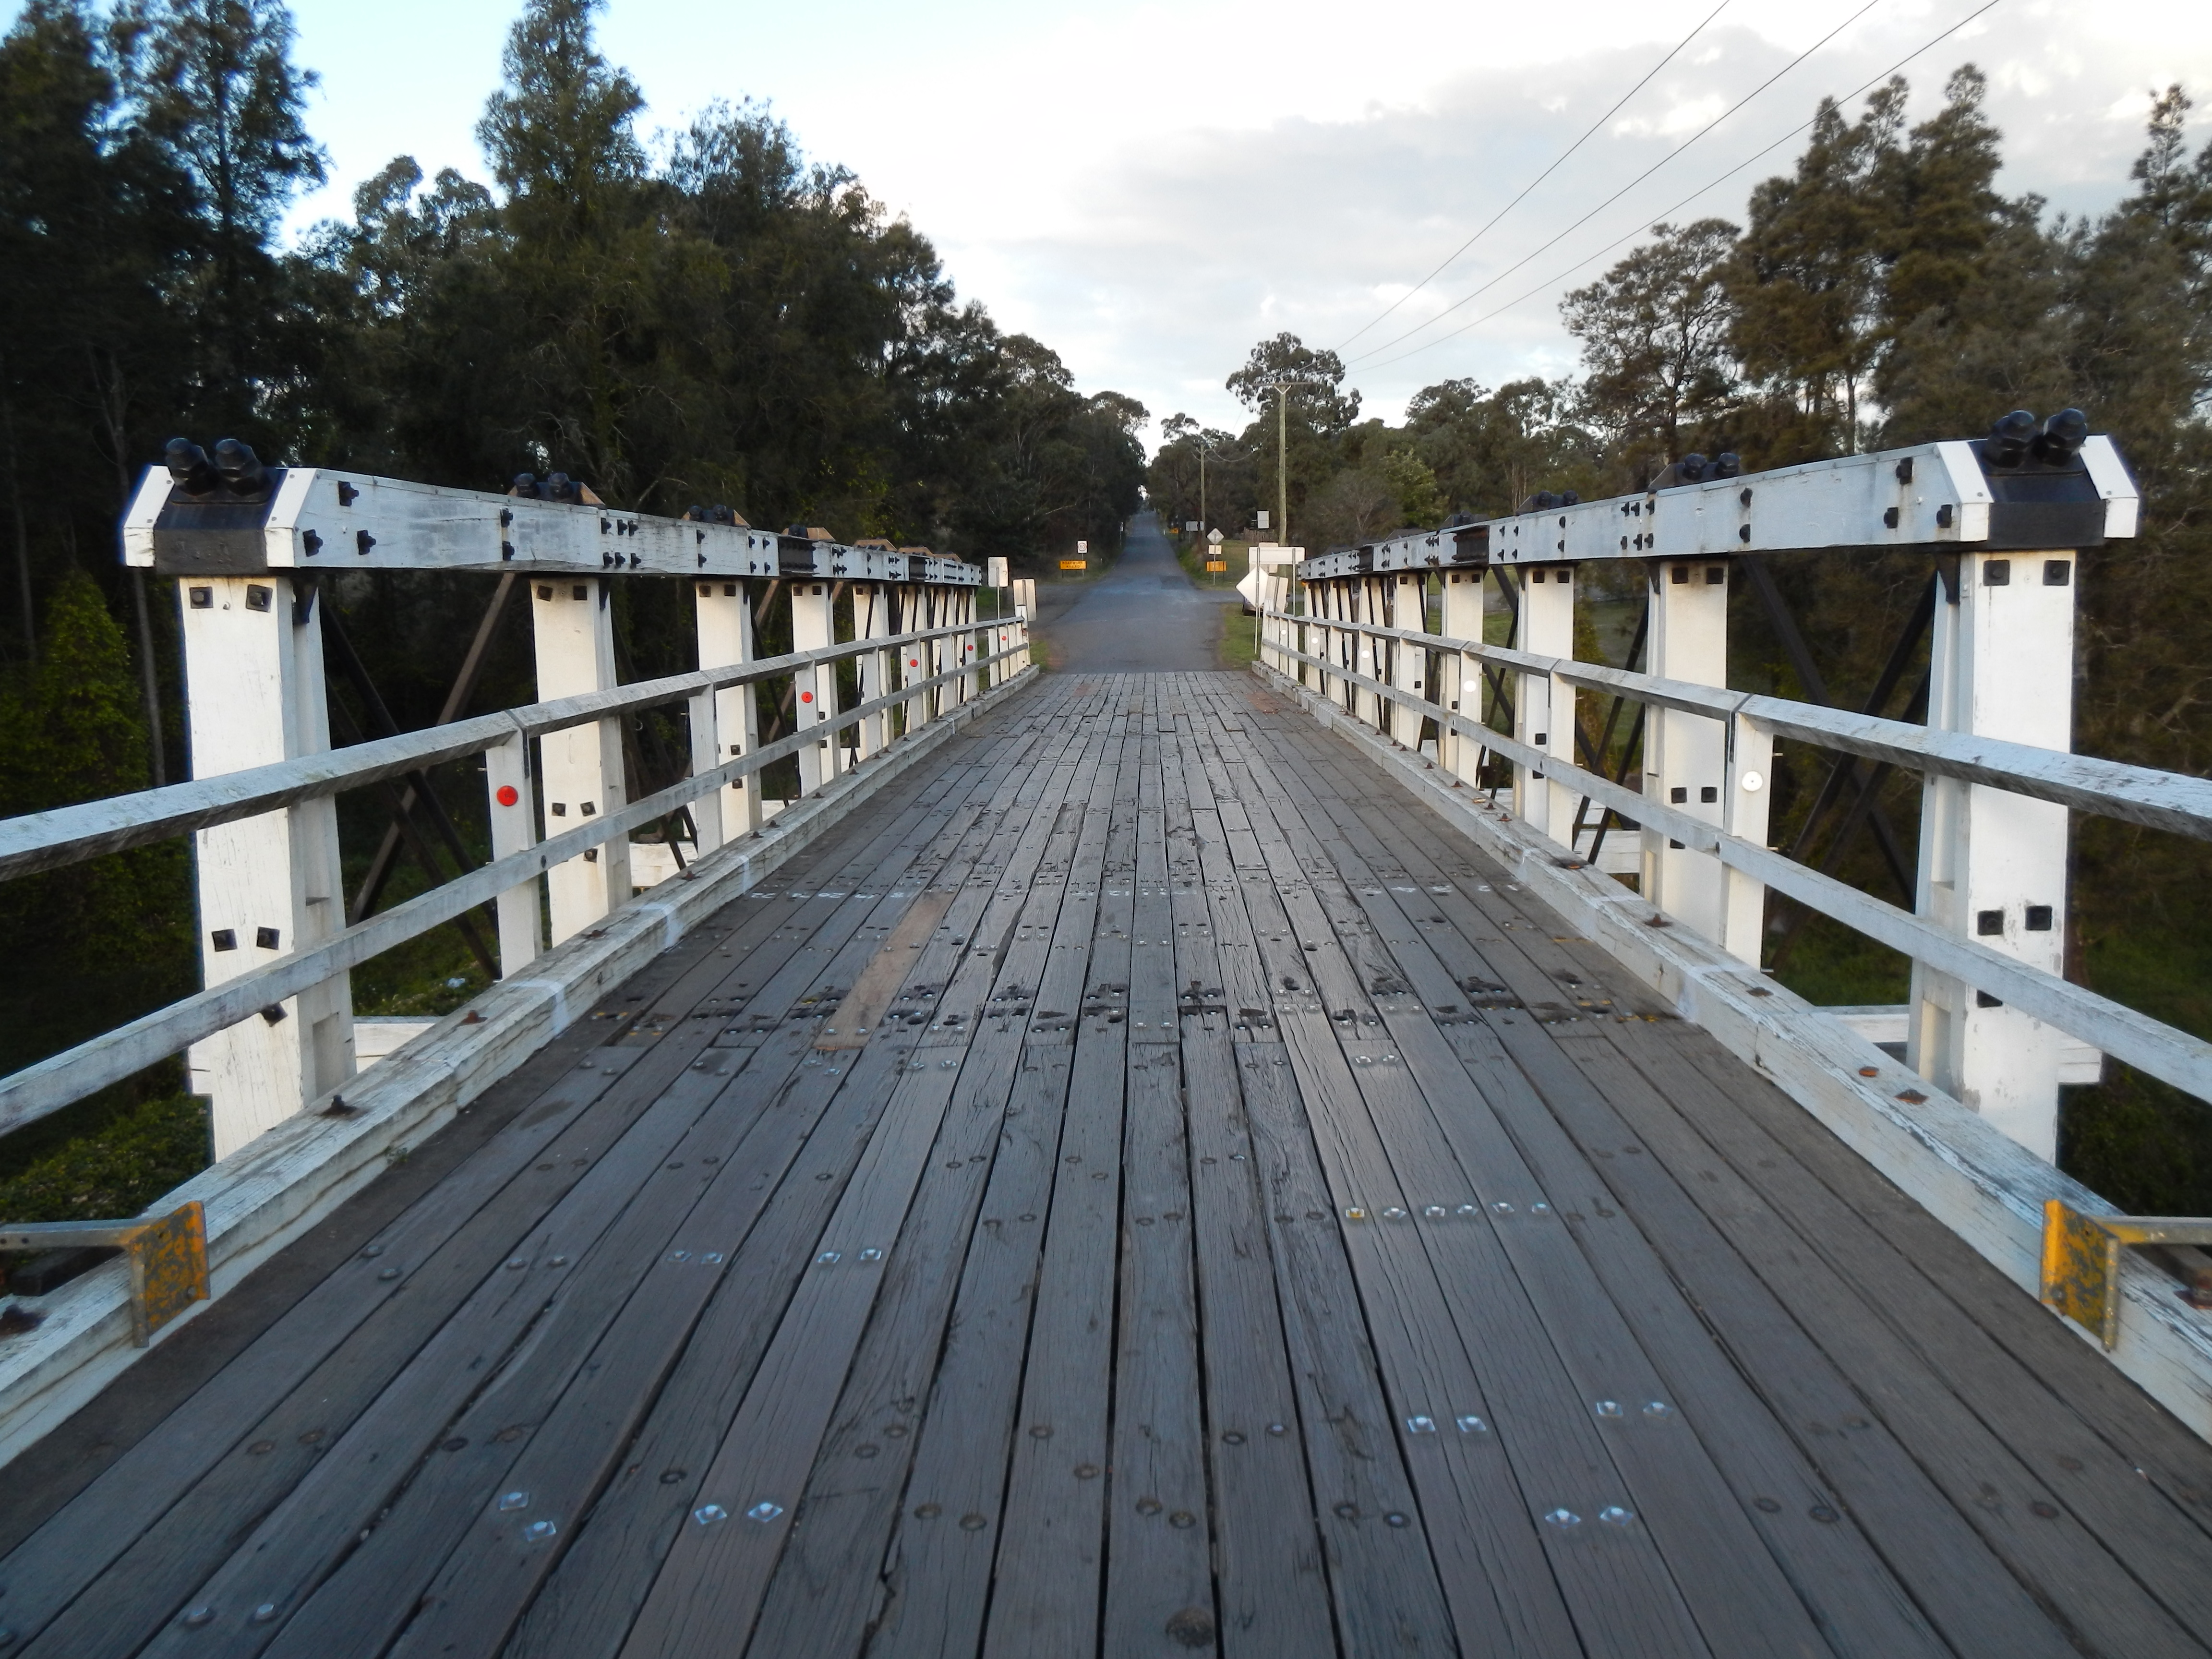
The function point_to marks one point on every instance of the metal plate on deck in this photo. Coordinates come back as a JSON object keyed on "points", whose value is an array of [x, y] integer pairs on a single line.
{"points": [[168, 1270], [2082, 1270]]}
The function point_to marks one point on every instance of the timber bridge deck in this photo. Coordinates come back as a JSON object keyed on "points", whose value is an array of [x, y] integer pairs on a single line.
{"points": [[1141, 1188]]}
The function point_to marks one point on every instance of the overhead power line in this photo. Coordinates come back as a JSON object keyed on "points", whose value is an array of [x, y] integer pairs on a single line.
{"points": [[1589, 133], [1631, 185], [1549, 282]]}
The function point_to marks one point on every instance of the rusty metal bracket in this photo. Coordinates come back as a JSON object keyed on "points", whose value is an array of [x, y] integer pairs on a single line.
{"points": [[167, 1253], [2081, 1260]]}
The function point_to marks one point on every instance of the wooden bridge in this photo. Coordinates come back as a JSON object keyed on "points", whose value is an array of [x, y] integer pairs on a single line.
{"points": [[1162, 1178]]}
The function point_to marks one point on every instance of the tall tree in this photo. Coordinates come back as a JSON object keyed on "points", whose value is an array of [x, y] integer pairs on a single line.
{"points": [[1655, 339], [1315, 393], [214, 86], [1807, 281]]}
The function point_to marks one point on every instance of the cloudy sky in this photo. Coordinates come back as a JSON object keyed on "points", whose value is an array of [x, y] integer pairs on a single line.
{"points": [[1151, 188]]}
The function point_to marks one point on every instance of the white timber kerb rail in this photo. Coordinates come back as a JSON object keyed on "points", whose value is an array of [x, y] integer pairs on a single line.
{"points": [[1385, 644], [297, 1126]]}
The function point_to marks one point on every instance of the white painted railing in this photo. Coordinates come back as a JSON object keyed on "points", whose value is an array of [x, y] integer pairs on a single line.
{"points": [[997, 650], [2136, 794], [1990, 1018]]}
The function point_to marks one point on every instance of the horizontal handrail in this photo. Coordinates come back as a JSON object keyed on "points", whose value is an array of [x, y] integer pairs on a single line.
{"points": [[57, 1081], [64, 835], [2136, 1039], [2113, 789]]}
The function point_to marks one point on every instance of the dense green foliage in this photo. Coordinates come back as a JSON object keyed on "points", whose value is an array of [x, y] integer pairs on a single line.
{"points": [[1883, 291], [707, 317]]}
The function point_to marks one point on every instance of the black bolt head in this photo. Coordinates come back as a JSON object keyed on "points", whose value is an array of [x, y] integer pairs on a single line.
{"points": [[2010, 438], [189, 467], [239, 468], [2063, 436]]}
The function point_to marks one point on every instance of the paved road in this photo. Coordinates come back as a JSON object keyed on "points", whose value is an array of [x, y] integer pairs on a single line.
{"points": [[1143, 616]]}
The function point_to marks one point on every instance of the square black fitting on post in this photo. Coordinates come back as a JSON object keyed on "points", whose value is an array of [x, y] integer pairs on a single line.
{"points": [[1708, 793], [224, 939], [265, 939], [1997, 573], [2039, 919], [1679, 796], [1987, 923], [2057, 573]]}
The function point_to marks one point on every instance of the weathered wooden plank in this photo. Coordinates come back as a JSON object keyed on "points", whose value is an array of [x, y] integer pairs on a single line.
{"points": [[1496, 1576], [1272, 1591], [1051, 1540], [708, 1594], [1271, 1587], [938, 1576], [2093, 1593], [1743, 1602], [1619, 1588], [1924, 1539], [826, 1585], [1861, 1606], [589, 1601], [1159, 1589], [1381, 1580], [1387, 1582], [832, 1591]]}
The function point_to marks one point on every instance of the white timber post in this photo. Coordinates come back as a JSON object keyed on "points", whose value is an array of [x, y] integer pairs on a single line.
{"points": [[812, 629], [1024, 612], [1544, 712], [1322, 604], [580, 768], [1993, 864], [1745, 799], [727, 724], [995, 575], [1460, 690], [268, 886], [964, 604], [1685, 756], [1283, 593], [915, 657], [1367, 610], [514, 829], [871, 620], [1409, 612], [1344, 597]]}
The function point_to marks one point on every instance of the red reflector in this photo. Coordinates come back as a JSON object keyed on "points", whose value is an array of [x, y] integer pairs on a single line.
{"points": [[506, 795]]}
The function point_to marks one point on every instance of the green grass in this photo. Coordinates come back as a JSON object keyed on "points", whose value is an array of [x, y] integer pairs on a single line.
{"points": [[1239, 644]]}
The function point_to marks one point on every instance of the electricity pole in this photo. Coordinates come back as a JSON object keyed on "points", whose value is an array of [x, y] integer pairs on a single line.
{"points": [[1281, 384]]}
